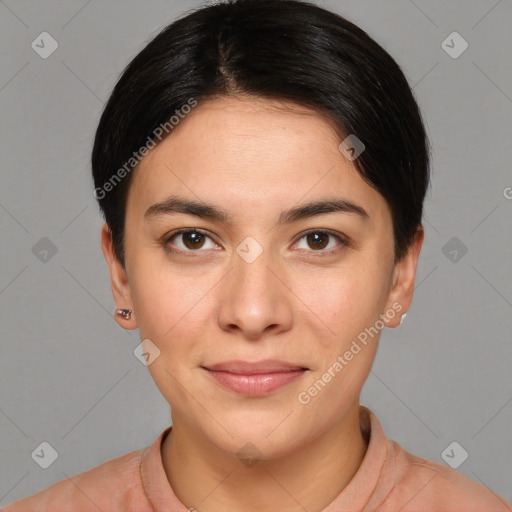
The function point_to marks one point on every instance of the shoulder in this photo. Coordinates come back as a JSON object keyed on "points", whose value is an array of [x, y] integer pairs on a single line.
{"points": [[423, 485], [113, 486]]}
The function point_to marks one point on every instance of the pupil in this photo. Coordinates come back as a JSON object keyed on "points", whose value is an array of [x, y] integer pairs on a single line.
{"points": [[193, 240], [319, 240]]}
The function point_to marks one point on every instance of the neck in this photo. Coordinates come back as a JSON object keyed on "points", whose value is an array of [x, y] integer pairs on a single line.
{"points": [[206, 479]]}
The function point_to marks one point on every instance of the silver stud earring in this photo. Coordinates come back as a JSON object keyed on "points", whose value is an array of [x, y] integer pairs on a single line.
{"points": [[402, 319], [125, 313]]}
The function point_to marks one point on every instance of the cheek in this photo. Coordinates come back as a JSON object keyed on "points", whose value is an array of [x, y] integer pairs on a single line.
{"points": [[171, 309], [342, 301], [345, 306], [171, 304]]}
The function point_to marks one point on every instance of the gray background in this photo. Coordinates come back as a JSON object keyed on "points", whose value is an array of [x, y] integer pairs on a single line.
{"points": [[68, 373]]}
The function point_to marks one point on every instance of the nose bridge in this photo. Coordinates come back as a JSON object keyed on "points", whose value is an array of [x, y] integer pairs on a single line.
{"points": [[253, 299], [251, 276]]}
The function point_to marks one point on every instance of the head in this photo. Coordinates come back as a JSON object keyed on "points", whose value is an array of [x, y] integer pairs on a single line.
{"points": [[288, 146]]}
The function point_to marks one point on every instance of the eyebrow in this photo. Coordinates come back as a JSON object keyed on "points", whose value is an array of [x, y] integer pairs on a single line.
{"points": [[175, 204]]}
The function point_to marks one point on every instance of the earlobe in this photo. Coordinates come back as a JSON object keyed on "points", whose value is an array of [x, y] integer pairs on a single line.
{"points": [[404, 275], [118, 282]]}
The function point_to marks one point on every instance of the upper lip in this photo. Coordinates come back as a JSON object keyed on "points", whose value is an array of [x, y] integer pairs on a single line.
{"points": [[256, 367]]}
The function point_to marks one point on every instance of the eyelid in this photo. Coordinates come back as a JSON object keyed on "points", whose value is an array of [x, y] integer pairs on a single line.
{"points": [[166, 239], [344, 240]]}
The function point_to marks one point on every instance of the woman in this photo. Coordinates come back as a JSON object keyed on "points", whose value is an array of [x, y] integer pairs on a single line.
{"points": [[262, 166]]}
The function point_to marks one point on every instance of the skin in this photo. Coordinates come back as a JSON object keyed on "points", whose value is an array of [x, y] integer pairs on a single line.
{"points": [[254, 158]]}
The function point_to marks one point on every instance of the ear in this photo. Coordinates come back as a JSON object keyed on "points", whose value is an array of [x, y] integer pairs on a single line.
{"points": [[404, 274], [118, 280]]}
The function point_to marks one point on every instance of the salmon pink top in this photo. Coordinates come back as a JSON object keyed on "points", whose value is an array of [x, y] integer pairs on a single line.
{"points": [[389, 479]]}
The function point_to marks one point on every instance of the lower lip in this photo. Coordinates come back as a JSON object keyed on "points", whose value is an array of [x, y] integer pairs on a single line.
{"points": [[255, 384]]}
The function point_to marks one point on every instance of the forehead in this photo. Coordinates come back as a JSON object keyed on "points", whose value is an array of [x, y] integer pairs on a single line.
{"points": [[246, 153]]}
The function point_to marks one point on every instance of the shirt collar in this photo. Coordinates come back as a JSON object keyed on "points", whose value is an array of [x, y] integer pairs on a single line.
{"points": [[371, 484]]}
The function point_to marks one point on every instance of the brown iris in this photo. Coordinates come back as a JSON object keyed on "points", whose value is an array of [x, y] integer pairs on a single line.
{"points": [[193, 240], [317, 240]]}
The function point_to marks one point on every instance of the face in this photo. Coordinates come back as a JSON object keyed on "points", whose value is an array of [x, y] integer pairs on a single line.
{"points": [[255, 258]]}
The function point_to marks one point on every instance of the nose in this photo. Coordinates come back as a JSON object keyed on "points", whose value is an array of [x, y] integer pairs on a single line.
{"points": [[254, 299]]}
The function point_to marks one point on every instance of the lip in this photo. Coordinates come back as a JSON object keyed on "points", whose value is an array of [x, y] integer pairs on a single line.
{"points": [[255, 378]]}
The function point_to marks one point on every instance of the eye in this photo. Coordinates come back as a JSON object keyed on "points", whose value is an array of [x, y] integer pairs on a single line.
{"points": [[322, 241], [195, 240], [189, 240]]}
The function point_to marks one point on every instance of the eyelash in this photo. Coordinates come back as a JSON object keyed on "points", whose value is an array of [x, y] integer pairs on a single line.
{"points": [[344, 241]]}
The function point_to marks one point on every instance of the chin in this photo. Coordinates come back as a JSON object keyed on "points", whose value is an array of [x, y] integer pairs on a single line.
{"points": [[267, 434]]}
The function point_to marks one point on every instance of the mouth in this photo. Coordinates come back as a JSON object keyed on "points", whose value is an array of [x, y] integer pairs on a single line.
{"points": [[254, 378]]}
